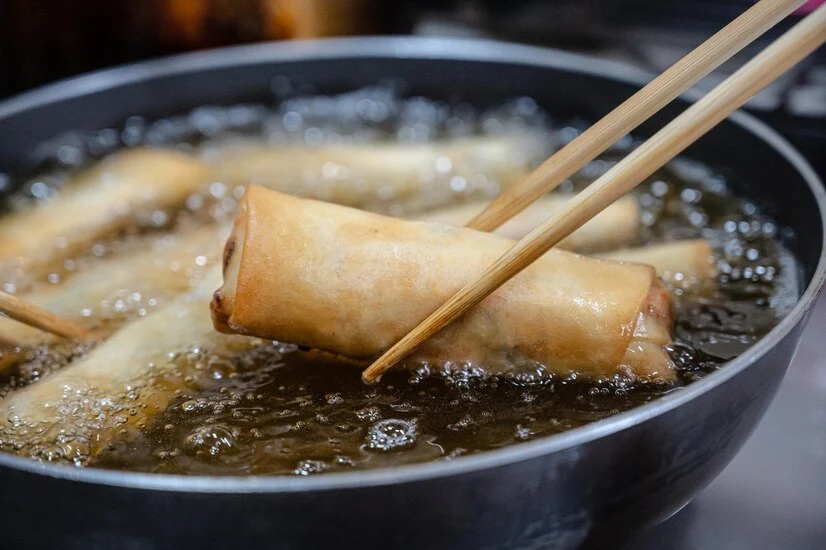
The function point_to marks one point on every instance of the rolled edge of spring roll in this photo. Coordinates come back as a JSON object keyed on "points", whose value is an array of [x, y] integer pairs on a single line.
{"points": [[615, 226], [379, 176], [97, 203], [352, 283], [158, 269], [78, 411]]}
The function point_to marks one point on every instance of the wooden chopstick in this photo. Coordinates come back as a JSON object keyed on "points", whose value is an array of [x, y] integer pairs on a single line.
{"points": [[29, 314], [636, 109], [681, 132]]}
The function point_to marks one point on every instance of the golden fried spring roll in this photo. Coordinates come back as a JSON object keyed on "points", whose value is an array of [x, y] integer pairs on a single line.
{"points": [[681, 264], [422, 175], [98, 203], [77, 411], [615, 226], [352, 283], [161, 268]]}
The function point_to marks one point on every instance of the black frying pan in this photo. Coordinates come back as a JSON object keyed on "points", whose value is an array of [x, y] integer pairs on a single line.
{"points": [[589, 486]]}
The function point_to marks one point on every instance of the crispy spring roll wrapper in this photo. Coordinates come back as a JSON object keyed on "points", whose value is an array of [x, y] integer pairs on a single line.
{"points": [[615, 226], [353, 283], [78, 411], [685, 265], [380, 176], [97, 203], [119, 286]]}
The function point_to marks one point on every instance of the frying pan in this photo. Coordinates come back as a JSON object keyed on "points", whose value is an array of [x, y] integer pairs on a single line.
{"points": [[587, 487]]}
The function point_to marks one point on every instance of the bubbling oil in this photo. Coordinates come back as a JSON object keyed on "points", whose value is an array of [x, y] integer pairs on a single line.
{"points": [[275, 409]]}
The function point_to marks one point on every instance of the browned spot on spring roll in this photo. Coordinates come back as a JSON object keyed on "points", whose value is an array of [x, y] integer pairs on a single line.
{"points": [[352, 283]]}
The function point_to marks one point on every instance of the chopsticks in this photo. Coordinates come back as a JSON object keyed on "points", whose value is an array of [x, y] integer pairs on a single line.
{"points": [[28, 313], [632, 112], [563, 164], [681, 132]]}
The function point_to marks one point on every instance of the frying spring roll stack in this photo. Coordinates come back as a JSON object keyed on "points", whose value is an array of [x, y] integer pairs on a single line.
{"points": [[103, 200], [78, 411], [95, 204], [162, 267], [376, 175], [615, 226], [353, 283]]}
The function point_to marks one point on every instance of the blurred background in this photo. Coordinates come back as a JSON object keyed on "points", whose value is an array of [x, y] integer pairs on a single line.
{"points": [[44, 40]]}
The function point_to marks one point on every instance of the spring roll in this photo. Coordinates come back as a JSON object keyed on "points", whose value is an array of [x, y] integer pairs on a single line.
{"points": [[96, 204], [352, 283], [683, 265], [119, 286], [378, 175], [616, 226], [78, 411]]}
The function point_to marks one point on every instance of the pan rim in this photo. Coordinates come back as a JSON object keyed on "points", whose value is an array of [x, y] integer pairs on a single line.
{"points": [[448, 49]]}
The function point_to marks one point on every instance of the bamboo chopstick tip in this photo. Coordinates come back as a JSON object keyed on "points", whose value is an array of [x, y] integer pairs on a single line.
{"points": [[25, 312], [372, 374]]}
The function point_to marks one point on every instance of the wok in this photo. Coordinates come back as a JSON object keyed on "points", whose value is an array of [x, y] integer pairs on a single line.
{"points": [[590, 486]]}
